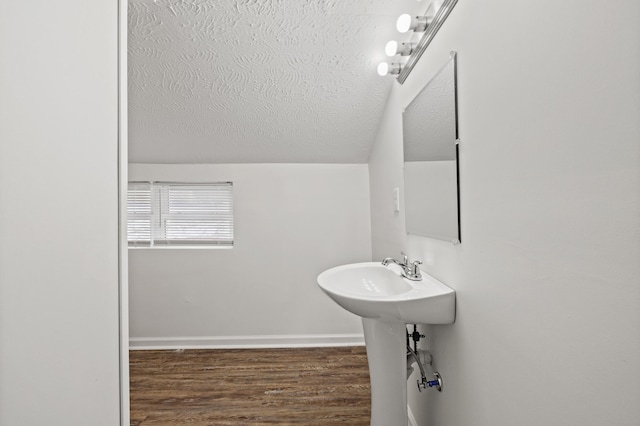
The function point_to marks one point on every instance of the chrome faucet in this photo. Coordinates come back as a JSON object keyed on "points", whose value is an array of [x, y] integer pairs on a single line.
{"points": [[402, 263], [410, 271]]}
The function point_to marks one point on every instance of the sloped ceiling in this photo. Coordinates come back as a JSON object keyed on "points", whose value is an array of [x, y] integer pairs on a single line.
{"points": [[258, 81]]}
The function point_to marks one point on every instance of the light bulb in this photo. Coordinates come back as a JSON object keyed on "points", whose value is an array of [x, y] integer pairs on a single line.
{"points": [[403, 24], [383, 68], [391, 49], [407, 22]]}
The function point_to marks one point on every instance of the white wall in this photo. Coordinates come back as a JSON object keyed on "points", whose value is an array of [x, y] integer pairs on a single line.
{"points": [[547, 276], [59, 351], [292, 221]]}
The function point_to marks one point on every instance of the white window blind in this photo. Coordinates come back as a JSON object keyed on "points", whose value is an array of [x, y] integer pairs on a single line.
{"points": [[139, 213], [180, 214]]}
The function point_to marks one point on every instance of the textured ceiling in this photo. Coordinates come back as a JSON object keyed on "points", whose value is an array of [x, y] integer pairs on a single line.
{"points": [[254, 81]]}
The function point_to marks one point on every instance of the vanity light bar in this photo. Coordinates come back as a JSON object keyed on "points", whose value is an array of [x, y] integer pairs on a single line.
{"points": [[429, 34]]}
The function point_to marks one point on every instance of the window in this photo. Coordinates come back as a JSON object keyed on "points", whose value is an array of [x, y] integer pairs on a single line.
{"points": [[162, 214]]}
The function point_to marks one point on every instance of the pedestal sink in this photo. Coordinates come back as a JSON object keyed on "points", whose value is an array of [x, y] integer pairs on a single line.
{"points": [[387, 302]]}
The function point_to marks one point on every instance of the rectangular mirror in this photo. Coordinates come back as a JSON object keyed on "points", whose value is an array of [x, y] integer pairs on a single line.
{"points": [[430, 138]]}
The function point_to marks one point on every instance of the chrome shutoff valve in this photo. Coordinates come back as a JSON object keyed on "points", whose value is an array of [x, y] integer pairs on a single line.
{"points": [[435, 383]]}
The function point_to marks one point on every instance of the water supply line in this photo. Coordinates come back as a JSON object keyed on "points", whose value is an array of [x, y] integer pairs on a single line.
{"points": [[423, 383]]}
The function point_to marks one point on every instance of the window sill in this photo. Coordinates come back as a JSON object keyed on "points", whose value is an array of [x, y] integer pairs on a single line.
{"points": [[181, 247]]}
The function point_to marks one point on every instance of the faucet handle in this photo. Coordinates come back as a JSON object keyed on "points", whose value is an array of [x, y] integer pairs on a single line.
{"points": [[405, 259], [415, 267]]}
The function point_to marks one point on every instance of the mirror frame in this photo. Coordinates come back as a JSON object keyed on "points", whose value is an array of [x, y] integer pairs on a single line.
{"points": [[454, 58], [455, 239]]}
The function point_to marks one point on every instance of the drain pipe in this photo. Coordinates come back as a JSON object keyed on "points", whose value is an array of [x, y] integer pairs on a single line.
{"points": [[423, 383]]}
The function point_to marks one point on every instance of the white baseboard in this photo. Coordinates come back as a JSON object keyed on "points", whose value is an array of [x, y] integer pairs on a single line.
{"points": [[246, 342], [412, 420]]}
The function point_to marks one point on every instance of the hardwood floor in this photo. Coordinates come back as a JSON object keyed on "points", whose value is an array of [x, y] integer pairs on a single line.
{"points": [[307, 386]]}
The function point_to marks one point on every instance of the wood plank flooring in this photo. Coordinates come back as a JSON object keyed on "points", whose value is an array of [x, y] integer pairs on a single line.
{"points": [[307, 386]]}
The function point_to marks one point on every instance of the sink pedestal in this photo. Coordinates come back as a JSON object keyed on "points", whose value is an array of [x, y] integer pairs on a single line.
{"points": [[386, 343]]}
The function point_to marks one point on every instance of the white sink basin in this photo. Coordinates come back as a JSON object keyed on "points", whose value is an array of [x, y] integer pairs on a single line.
{"points": [[372, 290]]}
